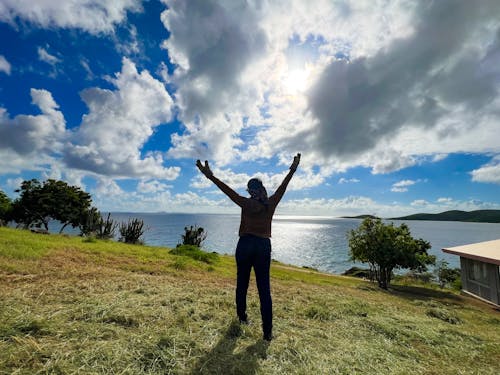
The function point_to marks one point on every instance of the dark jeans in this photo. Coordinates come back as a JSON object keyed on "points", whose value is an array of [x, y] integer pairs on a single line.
{"points": [[253, 251]]}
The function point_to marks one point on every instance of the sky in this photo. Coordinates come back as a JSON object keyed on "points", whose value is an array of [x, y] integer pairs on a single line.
{"points": [[394, 105]]}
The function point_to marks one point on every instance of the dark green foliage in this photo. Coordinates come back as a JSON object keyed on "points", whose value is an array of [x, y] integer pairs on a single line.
{"points": [[193, 236], [5, 208], [358, 272], [39, 203], [195, 252], [448, 276], [93, 224], [387, 247], [132, 231]]}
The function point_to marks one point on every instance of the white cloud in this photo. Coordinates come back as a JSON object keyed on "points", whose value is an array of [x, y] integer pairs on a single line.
{"points": [[419, 203], [300, 181], [118, 124], [45, 56], [151, 186], [33, 136], [93, 16], [4, 65], [402, 186], [444, 200], [489, 173], [343, 180], [14, 183]]}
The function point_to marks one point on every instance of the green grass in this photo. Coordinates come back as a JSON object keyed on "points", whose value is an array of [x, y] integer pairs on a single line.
{"points": [[69, 306]]}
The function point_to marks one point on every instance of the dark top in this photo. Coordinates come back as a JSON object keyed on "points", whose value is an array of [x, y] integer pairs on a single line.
{"points": [[256, 217]]}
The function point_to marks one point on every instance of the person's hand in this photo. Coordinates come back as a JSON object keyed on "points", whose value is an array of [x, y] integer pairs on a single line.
{"points": [[205, 169], [296, 161]]}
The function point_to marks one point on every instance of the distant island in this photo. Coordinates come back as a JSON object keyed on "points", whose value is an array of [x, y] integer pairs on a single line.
{"points": [[360, 217], [478, 216]]}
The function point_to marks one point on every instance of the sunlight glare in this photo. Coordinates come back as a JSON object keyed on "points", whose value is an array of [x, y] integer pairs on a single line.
{"points": [[296, 81]]}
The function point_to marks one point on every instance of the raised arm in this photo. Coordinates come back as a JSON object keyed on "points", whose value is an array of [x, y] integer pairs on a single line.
{"points": [[234, 196], [282, 188]]}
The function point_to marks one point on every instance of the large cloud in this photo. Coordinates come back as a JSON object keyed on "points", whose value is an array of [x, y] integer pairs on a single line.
{"points": [[93, 16], [213, 43], [119, 122], [392, 82], [416, 81]]}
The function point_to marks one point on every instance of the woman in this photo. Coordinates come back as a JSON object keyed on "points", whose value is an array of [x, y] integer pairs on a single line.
{"points": [[254, 245]]}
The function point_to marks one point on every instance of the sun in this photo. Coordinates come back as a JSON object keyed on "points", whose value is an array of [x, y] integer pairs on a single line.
{"points": [[296, 81]]}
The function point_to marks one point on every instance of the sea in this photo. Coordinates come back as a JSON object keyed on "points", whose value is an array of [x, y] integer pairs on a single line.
{"points": [[306, 241]]}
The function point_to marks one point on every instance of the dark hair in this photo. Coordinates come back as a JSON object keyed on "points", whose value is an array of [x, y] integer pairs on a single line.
{"points": [[254, 183]]}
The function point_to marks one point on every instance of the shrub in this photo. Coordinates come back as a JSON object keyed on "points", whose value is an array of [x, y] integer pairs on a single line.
{"points": [[195, 253], [193, 236], [387, 247], [94, 225], [132, 231], [448, 276]]}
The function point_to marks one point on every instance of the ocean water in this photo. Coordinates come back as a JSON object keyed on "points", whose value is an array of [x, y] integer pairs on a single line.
{"points": [[316, 242]]}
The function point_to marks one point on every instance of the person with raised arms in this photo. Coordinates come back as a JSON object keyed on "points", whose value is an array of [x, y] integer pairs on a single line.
{"points": [[254, 244]]}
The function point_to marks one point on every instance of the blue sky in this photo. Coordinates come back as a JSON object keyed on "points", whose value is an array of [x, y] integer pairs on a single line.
{"points": [[395, 106]]}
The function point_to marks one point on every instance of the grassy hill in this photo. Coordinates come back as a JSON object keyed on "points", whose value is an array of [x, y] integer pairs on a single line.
{"points": [[479, 216], [70, 306]]}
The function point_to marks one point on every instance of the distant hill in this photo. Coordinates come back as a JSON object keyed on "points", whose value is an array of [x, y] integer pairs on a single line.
{"points": [[478, 216], [359, 217]]}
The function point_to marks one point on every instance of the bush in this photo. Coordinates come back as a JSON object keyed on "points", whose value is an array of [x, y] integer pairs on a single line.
{"points": [[387, 247], [448, 276], [196, 253], [193, 236], [94, 225], [132, 231]]}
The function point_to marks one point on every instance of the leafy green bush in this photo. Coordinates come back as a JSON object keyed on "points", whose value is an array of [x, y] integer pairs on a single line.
{"points": [[193, 236], [196, 253], [132, 231], [448, 276]]}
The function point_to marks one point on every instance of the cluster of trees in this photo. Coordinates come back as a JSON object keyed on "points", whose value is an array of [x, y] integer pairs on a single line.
{"points": [[40, 202], [386, 247]]}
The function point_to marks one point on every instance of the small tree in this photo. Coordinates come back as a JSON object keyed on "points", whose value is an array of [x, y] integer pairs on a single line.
{"points": [[387, 247], [132, 231], [193, 236], [5, 208]]}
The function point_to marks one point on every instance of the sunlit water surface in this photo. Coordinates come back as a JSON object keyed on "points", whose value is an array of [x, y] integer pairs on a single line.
{"points": [[315, 242]]}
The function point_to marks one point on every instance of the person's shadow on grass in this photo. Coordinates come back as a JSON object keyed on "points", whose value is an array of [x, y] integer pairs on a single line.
{"points": [[222, 359]]}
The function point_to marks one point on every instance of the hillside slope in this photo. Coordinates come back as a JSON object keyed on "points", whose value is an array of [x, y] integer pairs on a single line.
{"points": [[69, 306], [479, 216]]}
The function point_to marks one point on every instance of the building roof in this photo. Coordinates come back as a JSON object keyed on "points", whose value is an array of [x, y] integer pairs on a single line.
{"points": [[488, 251]]}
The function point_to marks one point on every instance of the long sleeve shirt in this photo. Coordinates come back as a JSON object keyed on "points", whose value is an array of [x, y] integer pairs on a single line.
{"points": [[256, 217]]}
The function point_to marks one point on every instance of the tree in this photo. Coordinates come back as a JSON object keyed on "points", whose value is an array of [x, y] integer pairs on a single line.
{"points": [[387, 247], [38, 203], [5, 208]]}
